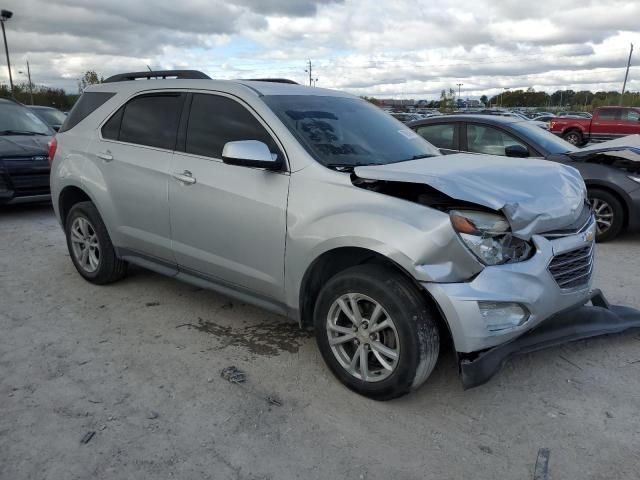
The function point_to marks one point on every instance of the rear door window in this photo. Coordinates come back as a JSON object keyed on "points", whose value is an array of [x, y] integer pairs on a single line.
{"points": [[442, 135], [609, 114], [150, 119], [215, 120]]}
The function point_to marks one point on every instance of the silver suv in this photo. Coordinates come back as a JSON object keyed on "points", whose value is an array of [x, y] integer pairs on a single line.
{"points": [[319, 206]]}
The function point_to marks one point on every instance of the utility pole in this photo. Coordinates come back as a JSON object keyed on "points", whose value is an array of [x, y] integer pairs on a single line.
{"points": [[30, 84], [459, 85], [309, 70], [624, 85], [4, 16]]}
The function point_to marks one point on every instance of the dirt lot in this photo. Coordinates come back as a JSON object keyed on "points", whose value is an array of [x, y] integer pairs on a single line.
{"points": [[139, 362]]}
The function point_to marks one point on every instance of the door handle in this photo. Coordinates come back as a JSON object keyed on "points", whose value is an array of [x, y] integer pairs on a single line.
{"points": [[106, 156], [185, 177]]}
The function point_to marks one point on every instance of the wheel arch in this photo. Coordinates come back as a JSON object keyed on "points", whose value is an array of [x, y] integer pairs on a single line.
{"points": [[333, 261], [69, 196], [591, 185]]}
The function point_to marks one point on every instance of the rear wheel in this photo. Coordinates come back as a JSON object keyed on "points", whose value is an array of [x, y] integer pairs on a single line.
{"points": [[574, 137], [90, 247], [609, 214], [375, 331]]}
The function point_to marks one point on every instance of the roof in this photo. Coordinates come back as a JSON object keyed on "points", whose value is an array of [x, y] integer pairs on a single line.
{"points": [[258, 87], [484, 118]]}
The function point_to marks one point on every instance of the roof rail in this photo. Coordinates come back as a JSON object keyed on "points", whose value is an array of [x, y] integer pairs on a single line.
{"points": [[180, 74], [273, 80]]}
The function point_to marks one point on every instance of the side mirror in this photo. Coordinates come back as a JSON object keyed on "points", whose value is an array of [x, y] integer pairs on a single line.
{"points": [[250, 153], [518, 151]]}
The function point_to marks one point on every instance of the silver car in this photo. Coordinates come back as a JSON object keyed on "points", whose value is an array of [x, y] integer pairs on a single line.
{"points": [[319, 206]]}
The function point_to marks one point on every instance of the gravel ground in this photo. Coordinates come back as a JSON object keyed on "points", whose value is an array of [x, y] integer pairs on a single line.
{"points": [[139, 362]]}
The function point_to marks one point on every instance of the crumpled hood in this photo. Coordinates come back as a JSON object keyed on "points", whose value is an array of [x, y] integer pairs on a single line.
{"points": [[534, 195], [624, 147], [23, 145]]}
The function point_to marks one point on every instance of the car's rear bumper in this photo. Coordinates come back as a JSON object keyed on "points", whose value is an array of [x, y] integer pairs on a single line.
{"points": [[576, 323]]}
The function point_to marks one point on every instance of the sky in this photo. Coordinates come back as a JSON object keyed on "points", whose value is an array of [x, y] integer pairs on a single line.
{"points": [[387, 49]]}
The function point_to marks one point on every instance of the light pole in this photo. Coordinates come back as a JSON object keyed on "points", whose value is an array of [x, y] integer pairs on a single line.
{"points": [[30, 84], [4, 16], [502, 95]]}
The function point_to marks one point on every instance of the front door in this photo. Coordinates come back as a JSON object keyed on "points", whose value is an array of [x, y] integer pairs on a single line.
{"points": [[228, 222]]}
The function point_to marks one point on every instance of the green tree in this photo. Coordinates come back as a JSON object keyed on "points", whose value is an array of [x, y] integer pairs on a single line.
{"points": [[484, 99], [90, 77]]}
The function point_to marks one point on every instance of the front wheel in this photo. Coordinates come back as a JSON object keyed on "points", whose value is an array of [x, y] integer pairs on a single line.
{"points": [[609, 214], [375, 332]]}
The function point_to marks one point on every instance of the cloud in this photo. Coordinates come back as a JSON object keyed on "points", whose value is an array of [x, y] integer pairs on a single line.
{"points": [[400, 48]]}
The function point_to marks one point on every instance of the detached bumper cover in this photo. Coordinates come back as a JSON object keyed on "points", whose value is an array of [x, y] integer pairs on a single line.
{"points": [[574, 324]]}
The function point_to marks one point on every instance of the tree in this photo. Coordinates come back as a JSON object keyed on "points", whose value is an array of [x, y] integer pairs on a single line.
{"points": [[90, 77], [484, 99]]}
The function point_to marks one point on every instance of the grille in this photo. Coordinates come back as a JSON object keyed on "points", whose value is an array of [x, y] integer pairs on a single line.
{"points": [[573, 269]]}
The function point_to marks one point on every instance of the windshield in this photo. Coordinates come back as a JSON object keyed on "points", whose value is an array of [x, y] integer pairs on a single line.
{"points": [[51, 115], [343, 131], [18, 120], [547, 140]]}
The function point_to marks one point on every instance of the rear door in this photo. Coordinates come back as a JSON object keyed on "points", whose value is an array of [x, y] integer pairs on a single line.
{"points": [[605, 124], [228, 222], [133, 153]]}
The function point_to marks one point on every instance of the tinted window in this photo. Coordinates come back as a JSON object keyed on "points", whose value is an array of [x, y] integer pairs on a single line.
{"points": [[346, 131], [86, 104], [489, 140], [609, 114], [441, 135], [152, 120], [51, 115], [216, 120], [111, 129], [631, 116]]}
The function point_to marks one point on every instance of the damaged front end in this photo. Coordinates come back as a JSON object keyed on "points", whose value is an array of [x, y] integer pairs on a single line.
{"points": [[577, 323], [532, 232]]}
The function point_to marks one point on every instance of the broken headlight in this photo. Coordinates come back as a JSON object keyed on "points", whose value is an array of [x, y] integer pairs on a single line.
{"points": [[489, 237]]}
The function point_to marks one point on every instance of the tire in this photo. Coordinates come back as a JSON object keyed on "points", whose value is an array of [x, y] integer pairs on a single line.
{"points": [[574, 137], [86, 231], [607, 209], [413, 334]]}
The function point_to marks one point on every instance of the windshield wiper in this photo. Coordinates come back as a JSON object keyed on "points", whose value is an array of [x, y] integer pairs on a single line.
{"points": [[20, 132], [347, 166]]}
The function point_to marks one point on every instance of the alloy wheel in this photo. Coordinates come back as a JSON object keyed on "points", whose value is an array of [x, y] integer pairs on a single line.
{"points": [[363, 337], [85, 245], [604, 215]]}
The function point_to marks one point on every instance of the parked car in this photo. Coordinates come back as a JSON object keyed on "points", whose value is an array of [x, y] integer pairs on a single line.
{"points": [[613, 182], [575, 114], [543, 118], [607, 123], [51, 116], [317, 205], [24, 168], [406, 117]]}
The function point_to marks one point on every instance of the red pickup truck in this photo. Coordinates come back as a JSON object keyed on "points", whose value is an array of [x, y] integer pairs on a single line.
{"points": [[607, 123]]}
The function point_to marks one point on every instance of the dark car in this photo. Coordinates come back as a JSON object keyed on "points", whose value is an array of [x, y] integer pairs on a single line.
{"points": [[51, 116], [24, 163], [611, 170]]}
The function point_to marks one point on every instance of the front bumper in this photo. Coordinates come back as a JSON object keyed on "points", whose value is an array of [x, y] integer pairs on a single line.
{"points": [[576, 323], [529, 284]]}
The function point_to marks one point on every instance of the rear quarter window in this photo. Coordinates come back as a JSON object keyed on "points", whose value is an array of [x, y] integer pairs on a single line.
{"points": [[85, 106]]}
